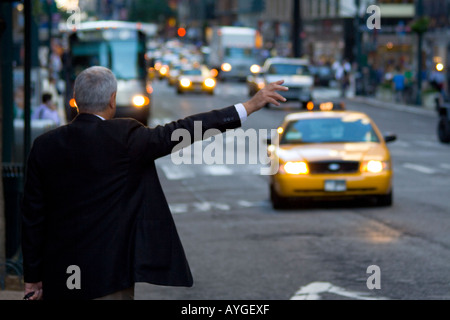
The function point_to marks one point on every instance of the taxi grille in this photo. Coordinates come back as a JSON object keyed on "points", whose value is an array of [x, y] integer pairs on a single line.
{"points": [[330, 167]]}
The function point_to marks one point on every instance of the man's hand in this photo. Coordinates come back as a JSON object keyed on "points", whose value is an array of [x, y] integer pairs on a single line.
{"points": [[266, 95], [34, 287]]}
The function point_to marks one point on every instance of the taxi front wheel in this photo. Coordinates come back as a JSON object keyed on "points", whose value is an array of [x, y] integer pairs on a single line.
{"points": [[278, 202], [385, 200]]}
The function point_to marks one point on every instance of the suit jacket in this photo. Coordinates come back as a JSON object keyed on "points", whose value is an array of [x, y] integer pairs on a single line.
{"points": [[93, 199]]}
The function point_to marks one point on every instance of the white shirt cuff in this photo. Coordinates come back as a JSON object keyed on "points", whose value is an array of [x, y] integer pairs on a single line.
{"points": [[241, 111]]}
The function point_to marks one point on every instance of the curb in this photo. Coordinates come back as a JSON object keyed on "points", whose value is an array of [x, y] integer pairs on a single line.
{"points": [[11, 295], [394, 106]]}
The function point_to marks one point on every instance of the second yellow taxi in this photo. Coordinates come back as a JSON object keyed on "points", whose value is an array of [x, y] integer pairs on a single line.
{"points": [[197, 79], [328, 155]]}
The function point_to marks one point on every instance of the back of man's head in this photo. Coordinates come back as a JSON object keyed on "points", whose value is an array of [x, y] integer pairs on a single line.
{"points": [[93, 89]]}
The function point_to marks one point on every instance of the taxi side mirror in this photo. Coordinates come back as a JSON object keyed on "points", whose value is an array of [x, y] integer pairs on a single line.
{"points": [[390, 137]]}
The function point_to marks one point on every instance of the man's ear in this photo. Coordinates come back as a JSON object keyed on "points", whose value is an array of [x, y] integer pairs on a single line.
{"points": [[112, 100]]}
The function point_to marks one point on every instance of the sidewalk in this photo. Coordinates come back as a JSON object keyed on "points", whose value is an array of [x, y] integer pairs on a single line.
{"points": [[11, 295], [13, 289], [394, 106]]}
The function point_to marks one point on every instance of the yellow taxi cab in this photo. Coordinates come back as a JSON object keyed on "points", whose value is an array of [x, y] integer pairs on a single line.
{"points": [[330, 155], [196, 79]]}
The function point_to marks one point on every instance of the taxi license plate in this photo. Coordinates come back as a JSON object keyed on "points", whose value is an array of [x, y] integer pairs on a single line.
{"points": [[335, 186]]}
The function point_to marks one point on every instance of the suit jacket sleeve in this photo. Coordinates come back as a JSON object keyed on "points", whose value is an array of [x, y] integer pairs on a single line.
{"points": [[33, 220], [154, 143]]}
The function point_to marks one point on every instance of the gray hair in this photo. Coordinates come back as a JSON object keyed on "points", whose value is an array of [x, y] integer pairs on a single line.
{"points": [[93, 89]]}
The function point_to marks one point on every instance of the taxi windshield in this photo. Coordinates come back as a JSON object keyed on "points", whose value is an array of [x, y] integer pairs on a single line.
{"points": [[329, 130]]}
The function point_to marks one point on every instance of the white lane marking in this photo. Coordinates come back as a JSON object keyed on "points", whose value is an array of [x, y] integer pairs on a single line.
{"points": [[177, 172], [180, 172], [204, 206], [419, 168], [445, 166], [179, 208], [217, 170], [313, 291], [247, 204]]}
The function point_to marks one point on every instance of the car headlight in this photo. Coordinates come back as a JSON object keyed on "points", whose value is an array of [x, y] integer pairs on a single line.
{"points": [[164, 70], [226, 67], [210, 83], [296, 168], [374, 166], [255, 68], [139, 101], [185, 83]]}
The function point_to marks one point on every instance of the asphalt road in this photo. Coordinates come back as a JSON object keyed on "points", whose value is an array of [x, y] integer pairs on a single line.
{"points": [[239, 248]]}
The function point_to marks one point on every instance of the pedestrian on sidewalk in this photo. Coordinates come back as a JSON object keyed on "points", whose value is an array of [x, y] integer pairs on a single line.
{"points": [[399, 83], [95, 218], [47, 110]]}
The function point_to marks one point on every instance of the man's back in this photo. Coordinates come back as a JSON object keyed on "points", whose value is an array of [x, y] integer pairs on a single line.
{"points": [[107, 209]]}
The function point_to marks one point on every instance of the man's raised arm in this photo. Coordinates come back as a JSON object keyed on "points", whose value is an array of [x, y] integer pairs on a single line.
{"points": [[158, 142]]}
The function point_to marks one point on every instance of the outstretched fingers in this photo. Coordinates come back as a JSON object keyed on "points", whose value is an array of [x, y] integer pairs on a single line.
{"points": [[273, 96]]}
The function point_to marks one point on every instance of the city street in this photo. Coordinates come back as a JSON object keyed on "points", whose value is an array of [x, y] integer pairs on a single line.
{"points": [[240, 248]]}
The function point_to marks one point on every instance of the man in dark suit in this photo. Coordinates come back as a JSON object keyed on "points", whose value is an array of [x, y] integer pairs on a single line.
{"points": [[95, 219]]}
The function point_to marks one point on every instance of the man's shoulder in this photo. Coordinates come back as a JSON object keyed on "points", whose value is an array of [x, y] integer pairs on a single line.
{"points": [[123, 124]]}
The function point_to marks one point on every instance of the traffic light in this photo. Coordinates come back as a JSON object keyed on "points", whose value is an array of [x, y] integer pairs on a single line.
{"points": [[181, 32]]}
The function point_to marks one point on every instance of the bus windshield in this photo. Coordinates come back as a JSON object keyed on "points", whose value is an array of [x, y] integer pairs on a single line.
{"points": [[241, 53], [123, 57]]}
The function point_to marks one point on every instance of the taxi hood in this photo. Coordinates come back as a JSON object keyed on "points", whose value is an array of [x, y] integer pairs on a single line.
{"points": [[333, 152]]}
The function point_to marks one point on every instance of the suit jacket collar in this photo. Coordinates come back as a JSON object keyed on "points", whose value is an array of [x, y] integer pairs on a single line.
{"points": [[87, 117]]}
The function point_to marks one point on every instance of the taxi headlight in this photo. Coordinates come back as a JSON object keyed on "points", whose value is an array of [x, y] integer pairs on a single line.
{"points": [[374, 166], [296, 168], [210, 83], [226, 67], [185, 83], [139, 101]]}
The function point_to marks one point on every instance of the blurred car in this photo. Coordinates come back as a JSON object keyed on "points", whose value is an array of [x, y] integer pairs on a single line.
{"points": [[174, 73], [330, 155], [295, 73], [196, 80], [323, 75]]}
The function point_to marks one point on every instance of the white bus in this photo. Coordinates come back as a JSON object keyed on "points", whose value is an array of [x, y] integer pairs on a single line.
{"points": [[121, 47]]}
